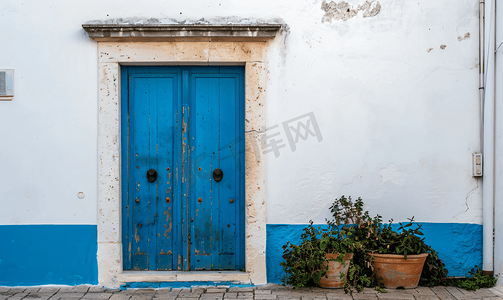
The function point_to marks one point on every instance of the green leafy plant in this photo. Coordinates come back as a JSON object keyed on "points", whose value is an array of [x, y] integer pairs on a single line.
{"points": [[354, 230], [304, 263], [377, 237], [475, 280]]}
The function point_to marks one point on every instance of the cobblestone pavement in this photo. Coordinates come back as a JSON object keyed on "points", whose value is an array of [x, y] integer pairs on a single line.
{"points": [[260, 292]]}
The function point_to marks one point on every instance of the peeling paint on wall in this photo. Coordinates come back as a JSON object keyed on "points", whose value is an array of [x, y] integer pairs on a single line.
{"points": [[344, 11]]}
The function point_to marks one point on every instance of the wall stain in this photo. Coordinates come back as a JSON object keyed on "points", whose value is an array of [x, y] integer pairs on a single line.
{"points": [[461, 38], [344, 11]]}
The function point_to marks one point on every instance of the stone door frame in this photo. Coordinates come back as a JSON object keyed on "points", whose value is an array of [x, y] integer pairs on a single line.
{"points": [[114, 51]]}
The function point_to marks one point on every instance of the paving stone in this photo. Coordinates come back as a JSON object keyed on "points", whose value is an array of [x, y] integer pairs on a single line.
{"points": [[313, 298], [230, 295], [18, 296], [97, 296], [165, 296], [265, 296], [426, 297], [81, 288], [425, 291], [216, 290], [404, 296], [337, 292], [485, 292], [49, 289], [281, 292], [67, 295], [339, 297], [142, 297], [401, 291], [455, 292], [97, 289], [189, 296], [266, 286], [369, 291], [364, 296], [263, 292], [290, 298], [240, 289], [16, 290], [39, 296], [445, 296], [440, 290], [166, 293], [212, 296], [120, 296], [146, 291]]}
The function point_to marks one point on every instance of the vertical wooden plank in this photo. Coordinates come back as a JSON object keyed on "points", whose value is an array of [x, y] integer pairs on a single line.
{"points": [[238, 74], [186, 233], [215, 142], [203, 153], [153, 187], [240, 249], [141, 162], [177, 192], [166, 100], [229, 161], [125, 170]]}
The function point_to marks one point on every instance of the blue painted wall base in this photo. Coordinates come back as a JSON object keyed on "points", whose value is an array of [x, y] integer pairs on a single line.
{"points": [[458, 245], [48, 254]]}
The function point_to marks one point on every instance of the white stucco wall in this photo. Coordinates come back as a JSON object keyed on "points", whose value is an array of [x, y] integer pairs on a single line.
{"points": [[399, 123]]}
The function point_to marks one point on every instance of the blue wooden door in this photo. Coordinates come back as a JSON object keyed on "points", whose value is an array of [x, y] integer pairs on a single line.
{"points": [[182, 130]]}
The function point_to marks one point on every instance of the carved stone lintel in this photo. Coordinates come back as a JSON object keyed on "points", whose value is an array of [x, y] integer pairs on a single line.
{"points": [[181, 32]]}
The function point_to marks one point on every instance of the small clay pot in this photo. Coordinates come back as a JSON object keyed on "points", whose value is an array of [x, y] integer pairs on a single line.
{"points": [[333, 278], [394, 271]]}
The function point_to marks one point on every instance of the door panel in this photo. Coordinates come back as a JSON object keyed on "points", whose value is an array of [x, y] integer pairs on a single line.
{"points": [[183, 122]]}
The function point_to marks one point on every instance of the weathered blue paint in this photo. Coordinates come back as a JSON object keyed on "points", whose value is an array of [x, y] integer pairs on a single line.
{"points": [[183, 122], [48, 254], [216, 140], [459, 245], [183, 285]]}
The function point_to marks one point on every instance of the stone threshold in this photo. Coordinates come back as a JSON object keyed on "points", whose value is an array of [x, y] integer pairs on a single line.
{"points": [[183, 276]]}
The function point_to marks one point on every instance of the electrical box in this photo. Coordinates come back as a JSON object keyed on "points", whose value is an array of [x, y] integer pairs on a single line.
{"points": [[6, 84], [477, 164]]}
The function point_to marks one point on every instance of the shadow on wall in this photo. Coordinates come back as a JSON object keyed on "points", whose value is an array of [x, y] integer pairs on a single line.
{"points": [[459, 245]]}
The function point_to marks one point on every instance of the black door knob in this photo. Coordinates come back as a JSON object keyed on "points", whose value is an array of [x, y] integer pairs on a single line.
{"points": [[218, 174], [151, 175]]}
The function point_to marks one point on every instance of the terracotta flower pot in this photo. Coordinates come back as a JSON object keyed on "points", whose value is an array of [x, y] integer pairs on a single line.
{"points": [[394, 271], [335, 268]]}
